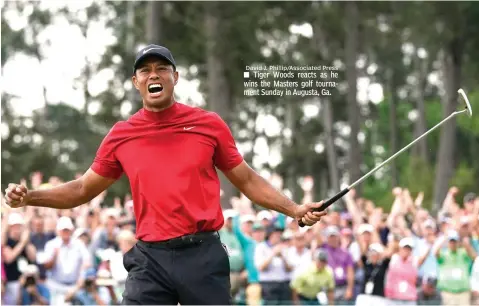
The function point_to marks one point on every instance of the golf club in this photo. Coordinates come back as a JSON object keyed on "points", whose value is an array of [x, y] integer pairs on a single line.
{"points": [[340, 194]]}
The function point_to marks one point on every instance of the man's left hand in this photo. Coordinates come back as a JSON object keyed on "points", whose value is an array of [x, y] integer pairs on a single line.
{"points": [[305, 212]]}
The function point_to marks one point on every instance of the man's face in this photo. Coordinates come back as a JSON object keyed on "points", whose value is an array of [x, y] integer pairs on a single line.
{"points": [[299, 241], [405, 252], [275, 237], [321, 264], [247, 227], [265, 222], [367, 237], [38, 225], [453, 245], [111, 224], [16, 230], [154, 70], [429, 234], [228, 223], [65, 234], [333, 241], [258, 235]]}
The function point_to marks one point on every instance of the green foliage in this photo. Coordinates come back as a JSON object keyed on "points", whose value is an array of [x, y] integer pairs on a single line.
{"points": [[246, 29]]}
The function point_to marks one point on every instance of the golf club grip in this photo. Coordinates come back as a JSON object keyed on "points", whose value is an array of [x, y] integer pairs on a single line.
{"points": [[328, 203]]}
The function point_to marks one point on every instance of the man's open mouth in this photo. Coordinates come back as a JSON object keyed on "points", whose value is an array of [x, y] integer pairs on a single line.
{"points": [[155, 88]]}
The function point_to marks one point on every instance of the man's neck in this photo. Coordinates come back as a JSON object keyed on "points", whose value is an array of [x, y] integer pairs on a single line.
{"points": [[159, 108]]}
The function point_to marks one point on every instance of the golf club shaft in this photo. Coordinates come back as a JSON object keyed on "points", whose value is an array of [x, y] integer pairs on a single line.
{"points": [[340, 194]]}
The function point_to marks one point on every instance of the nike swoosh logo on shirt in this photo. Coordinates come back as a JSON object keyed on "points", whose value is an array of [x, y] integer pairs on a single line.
{"points": [[188, 128]]}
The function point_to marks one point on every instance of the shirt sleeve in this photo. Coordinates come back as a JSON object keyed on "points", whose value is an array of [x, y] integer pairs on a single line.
{"points": [[105, 163], [349, 261], [226, 155], [48, 251], [475, 276]]}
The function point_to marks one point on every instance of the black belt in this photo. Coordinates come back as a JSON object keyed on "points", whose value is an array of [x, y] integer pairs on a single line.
{"points": [[182, 241]]}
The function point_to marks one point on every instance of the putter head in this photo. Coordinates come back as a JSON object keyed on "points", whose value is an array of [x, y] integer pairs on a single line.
{"points": [[466, 100]]}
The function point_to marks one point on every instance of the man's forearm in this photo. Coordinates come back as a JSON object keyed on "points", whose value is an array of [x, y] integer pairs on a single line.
{"points": [[65, 196], [259, 191]]}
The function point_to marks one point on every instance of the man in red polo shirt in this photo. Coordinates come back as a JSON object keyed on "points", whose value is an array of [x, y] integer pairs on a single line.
{"points": [[169, 152]]}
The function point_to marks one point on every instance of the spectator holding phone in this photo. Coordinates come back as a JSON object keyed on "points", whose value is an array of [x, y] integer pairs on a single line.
{"points": [[31, 291]]}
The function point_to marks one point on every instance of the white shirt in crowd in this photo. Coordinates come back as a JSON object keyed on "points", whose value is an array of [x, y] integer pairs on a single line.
{"points": [[71, 259], [276, 271], [299, 261], [475, 275]]}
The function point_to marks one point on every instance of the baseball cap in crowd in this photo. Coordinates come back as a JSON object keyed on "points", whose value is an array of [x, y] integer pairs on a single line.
{"points": [[469, 197], [154, 50], [365, 228], [287, 235], [90, 273], [264, 214], [464, 220], [406, 242], [79, 232], [452, 235], [332, 231], [31, 270], [229, 213], [247, 218], [322, 255], [15, 218], [376, 247], [65, 223]]}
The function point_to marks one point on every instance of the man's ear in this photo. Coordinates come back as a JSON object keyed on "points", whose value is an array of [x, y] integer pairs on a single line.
{"points": [[134, 80], [175, 76]]}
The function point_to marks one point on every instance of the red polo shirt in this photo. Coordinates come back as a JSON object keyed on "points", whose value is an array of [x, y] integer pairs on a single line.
{"points": [[170, 158]]}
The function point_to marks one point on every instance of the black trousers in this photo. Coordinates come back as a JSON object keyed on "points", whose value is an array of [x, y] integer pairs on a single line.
{"points": [[276, 293], [197, 274]]}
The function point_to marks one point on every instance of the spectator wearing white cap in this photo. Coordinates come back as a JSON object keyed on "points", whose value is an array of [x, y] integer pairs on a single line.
{"points": [[265, 217], [342, 264], [475, 282], [66, 258], [233, 247], [454, 269], [375, 261], [18, 252], [401, 276], [31, 291], [365, 233], [423, 247]]}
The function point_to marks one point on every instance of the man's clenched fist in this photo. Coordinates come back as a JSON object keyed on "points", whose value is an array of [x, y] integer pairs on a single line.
{"points": [[15, 195]]}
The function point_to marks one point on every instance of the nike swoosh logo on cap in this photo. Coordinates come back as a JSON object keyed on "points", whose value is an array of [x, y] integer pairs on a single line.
{"points": [[147, 50]]}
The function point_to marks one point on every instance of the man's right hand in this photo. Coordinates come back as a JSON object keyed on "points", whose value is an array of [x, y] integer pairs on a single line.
{"points": [[16, 195]]}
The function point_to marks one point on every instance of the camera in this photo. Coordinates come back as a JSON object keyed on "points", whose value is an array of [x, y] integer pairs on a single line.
{"points": [[29, 281]]}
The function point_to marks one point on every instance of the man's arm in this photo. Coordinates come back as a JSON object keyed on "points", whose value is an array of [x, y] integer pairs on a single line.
{"points": [[64, 196], [261, 192]]}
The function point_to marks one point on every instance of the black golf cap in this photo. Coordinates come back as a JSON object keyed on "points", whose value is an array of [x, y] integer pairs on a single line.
{"points": [[154, 50]]}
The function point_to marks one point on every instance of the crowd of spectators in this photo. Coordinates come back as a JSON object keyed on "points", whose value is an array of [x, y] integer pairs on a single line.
{"points": [[356, 255]]}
